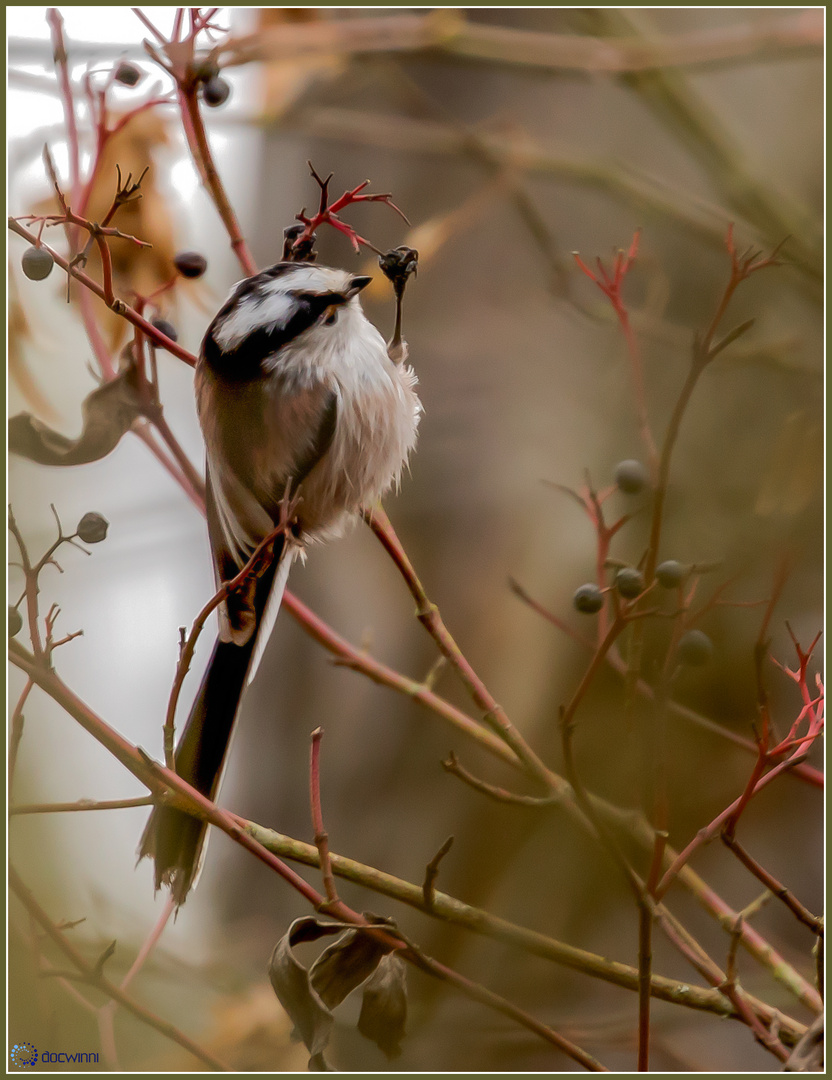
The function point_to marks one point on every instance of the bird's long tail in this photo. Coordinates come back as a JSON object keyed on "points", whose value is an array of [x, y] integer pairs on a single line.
{"points": [[174, 839]]}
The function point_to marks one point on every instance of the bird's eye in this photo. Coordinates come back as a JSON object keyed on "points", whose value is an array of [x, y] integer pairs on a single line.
{"points": [[330, 316]]}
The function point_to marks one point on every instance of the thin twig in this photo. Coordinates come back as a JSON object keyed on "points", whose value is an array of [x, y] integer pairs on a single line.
{"points": [[321, 835], [476, 920], [56, 27], [428, 614], [502, 795], [80, 805], [117, 305], [201, 150], [258, 561], [731, 988], [182, 795], [800, 911], [100, 982], [16, 725], [144, 431], [432, 873], [106, 1014]]}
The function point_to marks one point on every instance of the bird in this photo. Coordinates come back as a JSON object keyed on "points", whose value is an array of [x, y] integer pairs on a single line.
{"points": [[296, 391]]}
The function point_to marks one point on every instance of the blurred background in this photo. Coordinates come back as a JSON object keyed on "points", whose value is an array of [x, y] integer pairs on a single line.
{"points": [[510, 138]]}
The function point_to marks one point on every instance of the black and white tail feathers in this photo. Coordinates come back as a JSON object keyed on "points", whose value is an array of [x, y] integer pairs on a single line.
{"points": [[174, 839]]}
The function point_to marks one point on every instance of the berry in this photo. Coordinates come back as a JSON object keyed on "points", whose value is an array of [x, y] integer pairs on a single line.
{"points": [[588, 599], [15, 622], [215, 91], [166, 328], [631, 477], [37, 263], [190, 264], [629, 582], [92, 528], [127, 74], [695, 648], [669, 574]]}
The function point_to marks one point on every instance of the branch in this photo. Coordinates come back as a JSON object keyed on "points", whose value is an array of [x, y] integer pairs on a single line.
{"points": [[805, 772], [95, 978], [428, 615], [183, 796], [56, 27], [633, 825], [456, 36], [452, 766], [456, 913], [800, 911], [80, 805], [117, 305], [321, 836], [201, 150]]}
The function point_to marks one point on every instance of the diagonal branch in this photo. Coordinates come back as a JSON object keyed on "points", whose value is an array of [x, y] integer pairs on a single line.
{"points": [[95, 978]]}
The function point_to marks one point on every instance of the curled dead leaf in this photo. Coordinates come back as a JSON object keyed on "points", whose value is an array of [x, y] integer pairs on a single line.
{"points": [[384, 1006], [309, 994], [108, 412]]}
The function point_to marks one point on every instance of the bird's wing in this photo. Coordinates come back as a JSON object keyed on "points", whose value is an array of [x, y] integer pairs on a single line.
{"points": [[262, 455]]}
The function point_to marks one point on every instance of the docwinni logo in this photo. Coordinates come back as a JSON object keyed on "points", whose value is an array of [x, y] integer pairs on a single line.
{"points": [[24, 1055]]}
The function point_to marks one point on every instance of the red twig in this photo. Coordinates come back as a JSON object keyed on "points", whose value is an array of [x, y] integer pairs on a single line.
{"points": [[201, 150], [259, 560], [158, 778], [149, 25], [452, 765], [428, 615], [119, 306], [328, 212], [595, 663], [144, 432], [796, 747], [704, 351], [358, 660], [106, 1014], [56, 26], [610, 284], [321, 835], [192, 477]]}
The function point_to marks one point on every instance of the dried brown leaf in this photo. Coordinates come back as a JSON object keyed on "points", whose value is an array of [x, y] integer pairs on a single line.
{"points": [[108, 412], [291, 983], [384, 1006]]}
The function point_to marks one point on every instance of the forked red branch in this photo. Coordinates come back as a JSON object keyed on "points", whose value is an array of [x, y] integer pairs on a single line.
{"points": [[328, 212]]}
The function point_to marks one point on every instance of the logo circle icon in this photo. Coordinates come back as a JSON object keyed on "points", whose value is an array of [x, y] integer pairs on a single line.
{"points": [[24, 1055]]}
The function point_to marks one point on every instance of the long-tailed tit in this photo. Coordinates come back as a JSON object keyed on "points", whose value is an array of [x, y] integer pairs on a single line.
{"points": [[295, 390]]}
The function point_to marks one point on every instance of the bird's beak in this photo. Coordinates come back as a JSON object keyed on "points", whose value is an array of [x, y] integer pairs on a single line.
{"points": [[356, 285]]}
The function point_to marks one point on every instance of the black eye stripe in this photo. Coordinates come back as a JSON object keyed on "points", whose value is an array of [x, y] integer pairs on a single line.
{"points": [[245, 359]]}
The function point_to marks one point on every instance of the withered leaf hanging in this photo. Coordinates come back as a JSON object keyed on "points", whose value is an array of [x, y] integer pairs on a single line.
{"points": [[108, 412], [309, 995], [384, 1006], [291, 983], [345, 965]]}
